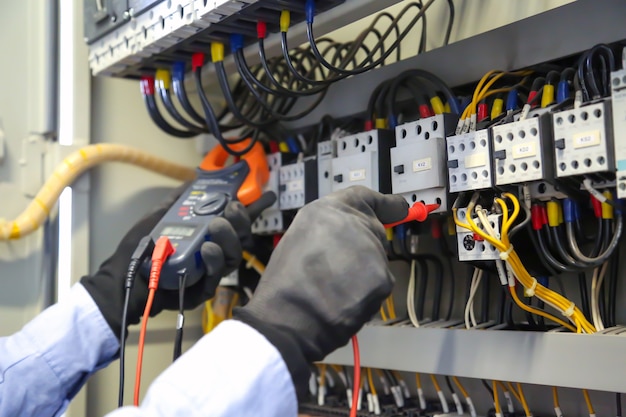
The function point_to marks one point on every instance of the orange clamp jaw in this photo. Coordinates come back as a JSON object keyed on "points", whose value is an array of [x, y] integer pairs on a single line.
{"points": [[417, 212], [252, 187]]}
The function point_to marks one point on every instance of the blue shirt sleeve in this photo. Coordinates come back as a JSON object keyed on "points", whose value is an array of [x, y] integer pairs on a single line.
{"points": [[45, 364], [232, 371]]}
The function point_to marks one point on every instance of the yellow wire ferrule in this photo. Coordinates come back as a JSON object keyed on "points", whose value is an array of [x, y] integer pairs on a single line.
{"points": [[285, 20], [607, 209], [437, 105], [446, 108], [389, 233], [496, 108], [547, 97], [553, 208], [163, 79], [217, 52], [283, 147], [381, 123]]}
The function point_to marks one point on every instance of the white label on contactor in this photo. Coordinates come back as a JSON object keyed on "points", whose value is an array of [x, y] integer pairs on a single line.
{"points": [[586, 139], [357, 175], [422, 164], [525, 150], [296, 185], [475, 160]]}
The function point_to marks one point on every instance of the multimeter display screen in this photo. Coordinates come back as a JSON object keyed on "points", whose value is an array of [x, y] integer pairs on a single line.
{"points": [[178, 231]]}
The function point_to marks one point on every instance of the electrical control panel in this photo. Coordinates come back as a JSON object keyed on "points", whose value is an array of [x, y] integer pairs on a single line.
{"points": [[326, 151], [583, 140], [297, 184], [148, 35], [522, 151], [618, 85], [364, 159], [469, 161], [471, 246], [418, 161], [271, 221]]}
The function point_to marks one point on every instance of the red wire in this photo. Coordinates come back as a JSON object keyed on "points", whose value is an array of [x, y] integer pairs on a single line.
{"points": [[357, 376], [142, 341]]}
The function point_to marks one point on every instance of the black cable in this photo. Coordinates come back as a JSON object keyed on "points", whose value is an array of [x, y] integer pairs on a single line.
{"points": [[156, 117], [486, 298], [487, 387], [547, 255], [584, 294], [180, 322], [618, 404], [449, 384], [166, 99], [557, 240], [446, 40], [141, 253]]}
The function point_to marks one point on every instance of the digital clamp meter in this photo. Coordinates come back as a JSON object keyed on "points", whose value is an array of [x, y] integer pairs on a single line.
{"points": [[187, 220]]}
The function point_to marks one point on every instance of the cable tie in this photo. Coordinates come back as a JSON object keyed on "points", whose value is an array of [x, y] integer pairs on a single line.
{"points": [[570, 310], [530, 292], [505, 255]]}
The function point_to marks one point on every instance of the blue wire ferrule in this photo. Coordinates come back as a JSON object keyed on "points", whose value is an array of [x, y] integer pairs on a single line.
{"points": [[236, 42], [293, 146], [569, 210], [562, 91], [309, 10], [511, 100], [401, 232], [393, 121], [178, 71]]}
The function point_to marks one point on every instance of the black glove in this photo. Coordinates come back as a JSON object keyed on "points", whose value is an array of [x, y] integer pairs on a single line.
{"points": [[222, 255], [328, 276]]}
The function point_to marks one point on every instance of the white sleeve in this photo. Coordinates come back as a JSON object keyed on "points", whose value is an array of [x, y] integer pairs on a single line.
{"points": [[232, 371]]}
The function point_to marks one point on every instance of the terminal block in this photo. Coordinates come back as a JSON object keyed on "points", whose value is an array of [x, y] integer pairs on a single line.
{"points": [[326, 151], [471, 246], [297, 184], [522, 151], [618, 85], [363, 159], [418, 162], [271, 220], [583, 140], [469, 161]]}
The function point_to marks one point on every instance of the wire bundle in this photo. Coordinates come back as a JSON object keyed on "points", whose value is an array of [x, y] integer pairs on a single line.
{"points": [[516, 269]]}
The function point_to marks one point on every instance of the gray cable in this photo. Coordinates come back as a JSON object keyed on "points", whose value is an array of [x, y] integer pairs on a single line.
{"points": [[604, 256]]}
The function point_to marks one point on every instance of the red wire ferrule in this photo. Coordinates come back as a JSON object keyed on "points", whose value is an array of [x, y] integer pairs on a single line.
{"points": [[435, 228], [424, 111], [147, 86], [261, 29], [483, 111], [544, 215], [597, 207], [162, 250], [197, 61], [369, 125], [531, 97], [536, 217]]}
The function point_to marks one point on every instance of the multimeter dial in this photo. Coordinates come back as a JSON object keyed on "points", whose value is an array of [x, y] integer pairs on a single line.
{"points": [[210, 203]]}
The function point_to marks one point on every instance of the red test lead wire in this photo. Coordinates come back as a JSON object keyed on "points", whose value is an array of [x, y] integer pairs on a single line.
{"points": [[356, 385], [162, 250]]}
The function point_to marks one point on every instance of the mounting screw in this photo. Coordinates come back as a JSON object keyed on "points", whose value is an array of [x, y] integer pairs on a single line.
{"points": [[113, 18]]}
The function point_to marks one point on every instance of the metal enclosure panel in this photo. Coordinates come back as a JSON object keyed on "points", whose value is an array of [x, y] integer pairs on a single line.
{"points": [[583, 140], [522, 151], [469, 161]]}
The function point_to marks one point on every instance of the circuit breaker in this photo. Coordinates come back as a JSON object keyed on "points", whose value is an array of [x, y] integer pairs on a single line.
{"points": [[469, 161], [364, 159], [271, 220], [471, 246], [326, 151], [418, 162], [297, 184], [522, 151], [583, 140], [618, 85]]}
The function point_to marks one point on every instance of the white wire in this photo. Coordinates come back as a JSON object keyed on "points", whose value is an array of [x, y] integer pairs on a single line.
{"points": [[410, 297], [470, 317], [596, 284]]}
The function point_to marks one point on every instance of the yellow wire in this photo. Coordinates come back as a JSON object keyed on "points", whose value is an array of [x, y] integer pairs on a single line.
{"points": [[588, 401], [461, 387], [496, 398], [371, 381], [418, 380], [435, 383], [391, 307], [254, 262], [382, 313], [550, 297], [514, 392], [523, 399], [555, 397], [533, 310]]}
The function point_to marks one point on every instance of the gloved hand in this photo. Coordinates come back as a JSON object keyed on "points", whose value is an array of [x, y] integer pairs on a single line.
{"points": [[222, 255], [328, 276]]}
